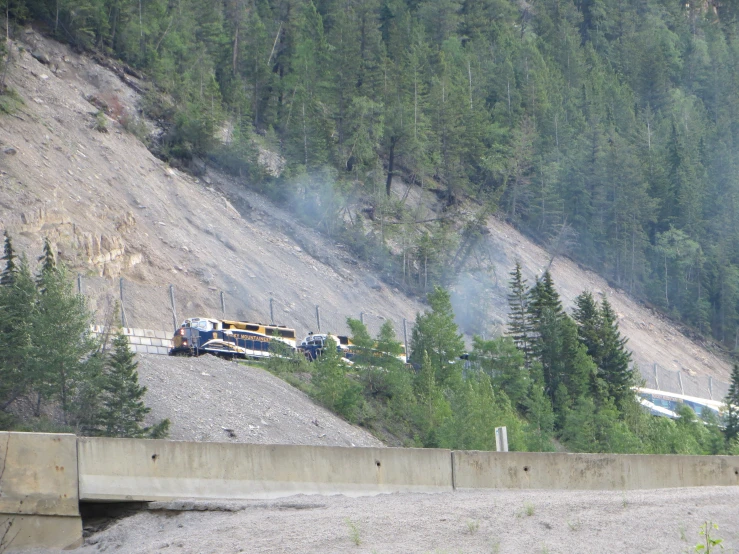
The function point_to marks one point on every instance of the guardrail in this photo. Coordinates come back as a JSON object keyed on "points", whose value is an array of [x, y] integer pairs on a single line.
{"points": [[43, 477]]}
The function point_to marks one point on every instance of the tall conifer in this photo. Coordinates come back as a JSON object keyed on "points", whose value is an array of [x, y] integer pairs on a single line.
{"points": [[519, 325], [731, 417], [11, 268], [122, 410]]}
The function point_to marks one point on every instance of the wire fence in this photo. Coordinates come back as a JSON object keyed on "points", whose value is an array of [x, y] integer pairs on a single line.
{"points": [[681, 382], [136, 305], [163, 307]]}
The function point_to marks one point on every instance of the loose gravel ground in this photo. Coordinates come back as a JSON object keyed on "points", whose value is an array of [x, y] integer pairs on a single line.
{"points": [[504, 521], [210, 399]]}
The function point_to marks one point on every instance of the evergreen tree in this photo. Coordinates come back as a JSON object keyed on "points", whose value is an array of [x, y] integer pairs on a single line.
{"points": [[62, 346], [540, 417], [504, 364], [122, 410], [519, 325], [432, 407], [587, 316], [8, 276], [614, 359], [731, 415], [437, 336], [17, 311], [334, 389]]}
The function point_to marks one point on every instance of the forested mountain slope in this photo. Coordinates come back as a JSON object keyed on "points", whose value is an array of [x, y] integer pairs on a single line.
{"points": [[609, 126], [112, 209]]}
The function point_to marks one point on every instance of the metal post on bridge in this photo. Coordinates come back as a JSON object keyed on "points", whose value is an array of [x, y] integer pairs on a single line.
{"points": [[124, 322], [174, 309]]}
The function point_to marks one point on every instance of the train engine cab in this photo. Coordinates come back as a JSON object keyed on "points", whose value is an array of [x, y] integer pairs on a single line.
{"points": [[188, 339], [200, 335]]}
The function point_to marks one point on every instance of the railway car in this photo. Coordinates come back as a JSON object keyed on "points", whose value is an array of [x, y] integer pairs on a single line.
{"points": [[312, 346], [665, 404], [242, 339]]}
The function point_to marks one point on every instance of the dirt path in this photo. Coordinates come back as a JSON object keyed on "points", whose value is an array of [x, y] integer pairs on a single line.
{"points": [[504, 521]]}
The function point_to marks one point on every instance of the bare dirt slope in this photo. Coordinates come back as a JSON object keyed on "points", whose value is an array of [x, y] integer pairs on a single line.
{"points": [[658, 521], [113, 210], [210, 399]]}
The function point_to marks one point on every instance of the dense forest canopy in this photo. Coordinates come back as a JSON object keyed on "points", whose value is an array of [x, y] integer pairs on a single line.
{"points": [[609, 124]]}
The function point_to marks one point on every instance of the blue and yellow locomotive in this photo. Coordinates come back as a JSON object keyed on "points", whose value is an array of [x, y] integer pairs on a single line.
{"points": [[201, 335]]}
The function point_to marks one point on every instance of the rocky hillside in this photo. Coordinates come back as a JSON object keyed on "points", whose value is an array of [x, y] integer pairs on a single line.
{"points": [[209, 399], [114, 210]]}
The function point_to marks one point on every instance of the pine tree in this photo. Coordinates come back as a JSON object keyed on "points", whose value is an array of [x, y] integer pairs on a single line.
{"points": [[614, 359], [540, 418], [60, 335], [122, 410], [17, 309], [587, 316], [519, 324], [436, 334], [432, 407], [731, 417], [333, 388], [8, 276]]}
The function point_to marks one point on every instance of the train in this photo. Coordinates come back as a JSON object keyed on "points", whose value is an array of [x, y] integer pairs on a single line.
{"points": [[243, 339], [665, 404], [231, 339]]}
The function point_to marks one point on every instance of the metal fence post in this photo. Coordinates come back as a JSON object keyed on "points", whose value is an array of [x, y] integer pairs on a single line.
{"points": [[680, 380], [656, 377], [223, 305], [79, 283], [405, 339], [272, 310], [318, 318], [361, 317], [174, 309], [710, 387], [124, 322]]}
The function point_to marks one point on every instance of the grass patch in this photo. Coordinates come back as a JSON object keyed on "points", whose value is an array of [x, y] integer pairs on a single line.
{"points": [[354, 533], [10, 101]]}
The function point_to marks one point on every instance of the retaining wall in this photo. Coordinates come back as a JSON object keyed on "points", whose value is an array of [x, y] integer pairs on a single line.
{"points": [[125, 469], [532, 470], [144, 341], [39, 502]]}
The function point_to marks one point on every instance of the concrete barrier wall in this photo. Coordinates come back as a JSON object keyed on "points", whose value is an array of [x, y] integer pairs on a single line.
{"points": [[124, 469], [529, 470], [39, 502], [146, 341]]}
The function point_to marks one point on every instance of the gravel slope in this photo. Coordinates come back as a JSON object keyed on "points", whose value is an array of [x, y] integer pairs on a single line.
{"points": [[462, 522], [209, 399]]}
